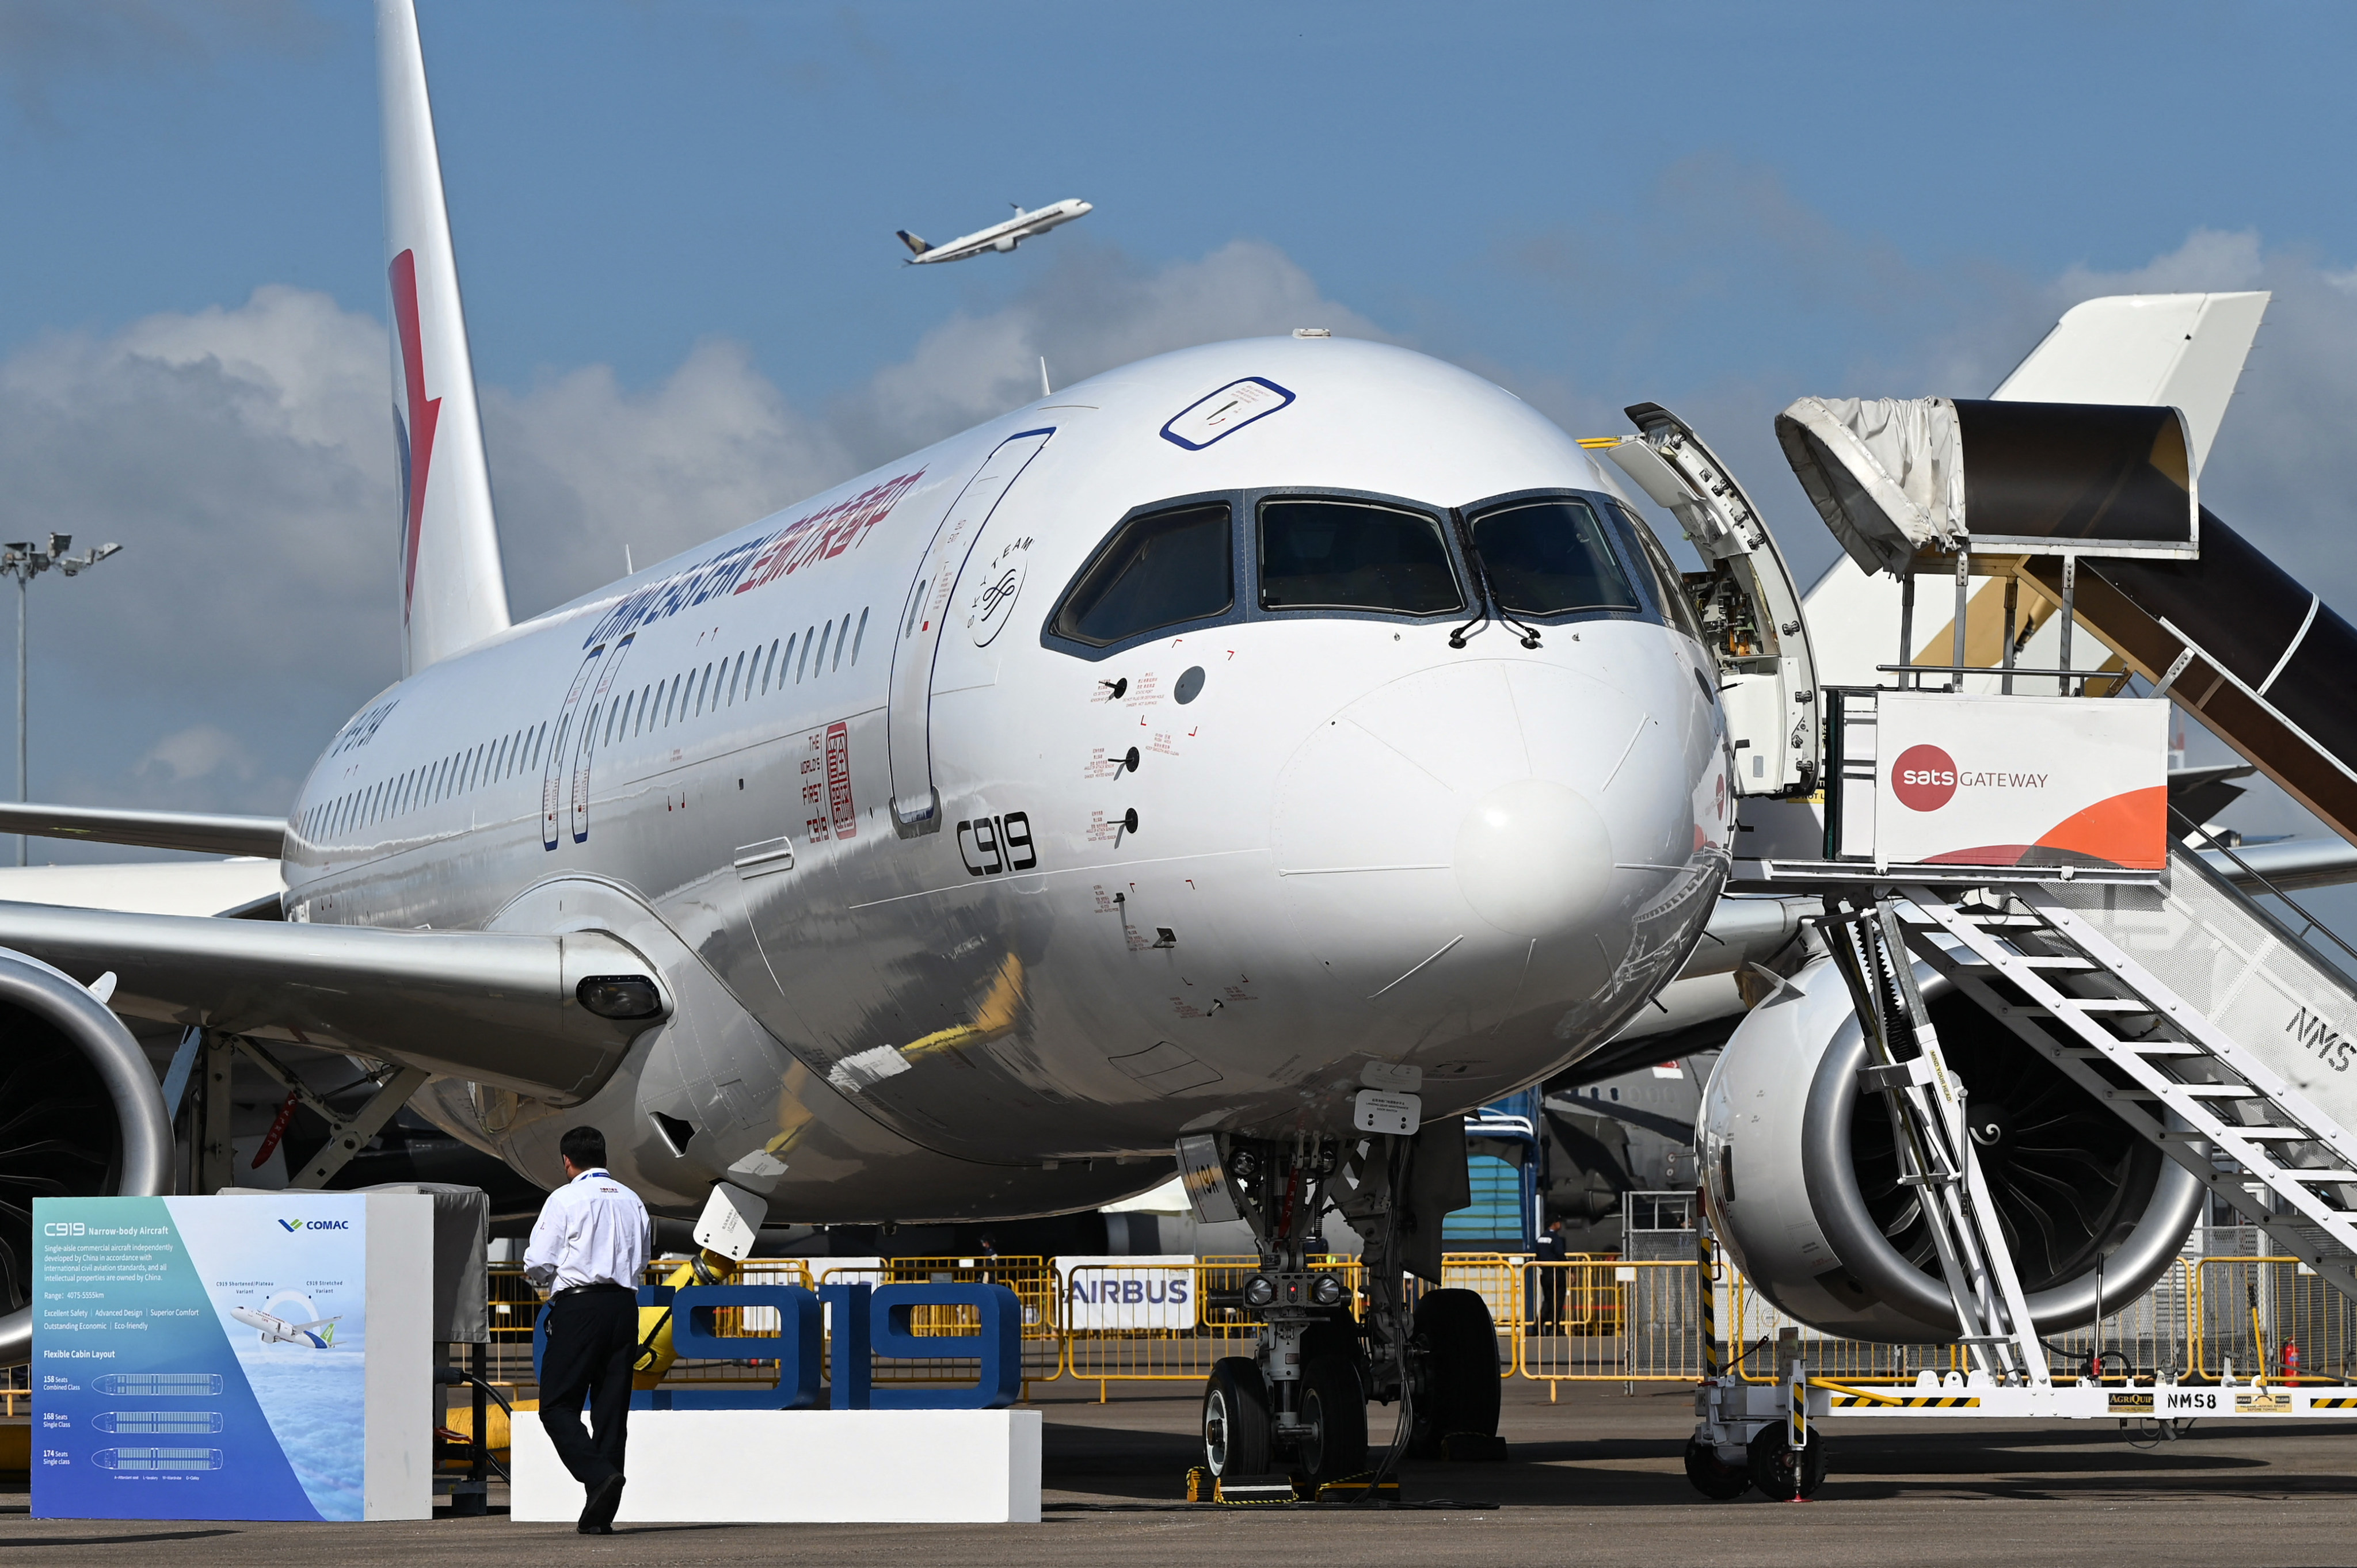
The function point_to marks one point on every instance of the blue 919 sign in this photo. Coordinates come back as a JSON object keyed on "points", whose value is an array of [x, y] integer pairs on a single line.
{"points": [[869, 1321]]}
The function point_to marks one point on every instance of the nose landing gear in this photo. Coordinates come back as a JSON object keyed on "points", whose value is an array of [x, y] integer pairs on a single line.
{"points": [[1297, 1405]]}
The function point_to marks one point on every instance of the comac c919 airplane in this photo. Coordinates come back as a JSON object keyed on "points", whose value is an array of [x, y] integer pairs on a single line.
{"points": [[1270, 751], [318, 1334]]}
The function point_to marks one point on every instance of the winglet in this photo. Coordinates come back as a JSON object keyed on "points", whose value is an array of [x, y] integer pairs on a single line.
{"points": [[452, 591], [916, 247]]}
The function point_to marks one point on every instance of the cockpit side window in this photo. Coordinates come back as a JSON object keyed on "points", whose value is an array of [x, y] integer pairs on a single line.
{"points": [[1328, 555], [1551, 555], [1670, 582], [1157, 569]]}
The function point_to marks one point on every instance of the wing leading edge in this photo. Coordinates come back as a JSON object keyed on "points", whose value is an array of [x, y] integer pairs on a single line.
{"points": [[204, 834], [497, 1007]]}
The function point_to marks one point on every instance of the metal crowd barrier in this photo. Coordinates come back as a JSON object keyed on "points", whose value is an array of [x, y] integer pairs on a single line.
{"points": [[1587, 1319], [1611, 1320]]}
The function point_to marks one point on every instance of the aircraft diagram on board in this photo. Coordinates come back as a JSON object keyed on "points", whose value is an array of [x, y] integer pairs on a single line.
{"points": [[278, 1331], [1001, 236]]}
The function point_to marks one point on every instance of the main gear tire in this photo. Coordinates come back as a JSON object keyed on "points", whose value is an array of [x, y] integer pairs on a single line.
{"points": [[1461, 1389]]}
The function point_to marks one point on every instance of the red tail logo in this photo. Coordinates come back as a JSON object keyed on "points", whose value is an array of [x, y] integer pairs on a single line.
{"points": [[415, 434]]}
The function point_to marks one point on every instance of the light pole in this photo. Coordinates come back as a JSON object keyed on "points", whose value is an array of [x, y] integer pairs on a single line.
{"points": [[25, 562]]}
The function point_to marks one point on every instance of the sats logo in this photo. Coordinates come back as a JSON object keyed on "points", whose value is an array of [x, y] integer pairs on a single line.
{"points": [[317, 1224], [1924, 778]]}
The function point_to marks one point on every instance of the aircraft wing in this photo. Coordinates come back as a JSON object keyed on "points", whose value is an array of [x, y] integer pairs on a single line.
{"points": [[206, 834], [315, 1322], [406, 996]]}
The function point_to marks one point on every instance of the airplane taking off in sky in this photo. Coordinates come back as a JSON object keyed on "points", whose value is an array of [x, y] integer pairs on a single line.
{"points": [[278, 1331], [1252, 759], [1002, 236]]}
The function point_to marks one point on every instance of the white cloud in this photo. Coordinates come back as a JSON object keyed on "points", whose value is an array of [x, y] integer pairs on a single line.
{"points": [[198, 752]]}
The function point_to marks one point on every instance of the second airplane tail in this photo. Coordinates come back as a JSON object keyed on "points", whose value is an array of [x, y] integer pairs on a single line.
{"points": [[452, 591]]}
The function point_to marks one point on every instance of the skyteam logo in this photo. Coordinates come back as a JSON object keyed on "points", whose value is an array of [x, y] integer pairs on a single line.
{"points": [[317, 1224]]}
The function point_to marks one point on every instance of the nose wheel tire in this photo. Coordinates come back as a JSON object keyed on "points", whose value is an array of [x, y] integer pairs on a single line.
{"points": [[1782, 1473], [1461, 1386], [1713, 1477], [1236, 1426], [1334, 1409]]}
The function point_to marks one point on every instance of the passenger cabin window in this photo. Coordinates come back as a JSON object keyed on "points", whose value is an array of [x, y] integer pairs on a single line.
{"points": [[1156, 571], [1549, 557], [1349, 555]]}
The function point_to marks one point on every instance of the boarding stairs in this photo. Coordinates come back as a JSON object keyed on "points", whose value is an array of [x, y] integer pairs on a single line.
{"points": [[2207, 1026]]}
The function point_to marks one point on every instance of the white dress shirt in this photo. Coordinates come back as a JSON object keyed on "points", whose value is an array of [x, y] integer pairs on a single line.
{"points": [[593, 1231]]}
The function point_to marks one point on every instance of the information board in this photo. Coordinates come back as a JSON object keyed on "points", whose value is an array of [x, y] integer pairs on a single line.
{"points": [[233, 1358]]}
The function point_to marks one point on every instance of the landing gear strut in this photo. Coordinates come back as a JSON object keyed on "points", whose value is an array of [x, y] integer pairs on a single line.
{"points": [[1297, 1405]]}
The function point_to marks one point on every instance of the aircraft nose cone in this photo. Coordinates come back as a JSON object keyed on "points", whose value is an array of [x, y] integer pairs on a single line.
{"points": [[1446, 840], [1533, 856]]}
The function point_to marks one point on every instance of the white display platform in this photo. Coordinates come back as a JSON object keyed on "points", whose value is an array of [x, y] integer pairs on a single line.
{"points": [[802, 1466]]}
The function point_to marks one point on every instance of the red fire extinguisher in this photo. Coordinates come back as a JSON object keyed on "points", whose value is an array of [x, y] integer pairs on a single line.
{"points": [[2290, 1362]]}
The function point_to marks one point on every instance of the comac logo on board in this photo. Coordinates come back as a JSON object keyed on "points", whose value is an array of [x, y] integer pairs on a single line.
{"points": [[317, 1224]]}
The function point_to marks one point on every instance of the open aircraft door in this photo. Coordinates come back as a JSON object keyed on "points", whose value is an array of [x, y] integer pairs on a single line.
{"points": [[1748, 603], [916, 805]]}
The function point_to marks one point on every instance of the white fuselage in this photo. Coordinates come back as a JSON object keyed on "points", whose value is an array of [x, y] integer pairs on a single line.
{"points": [[1352, 841]]}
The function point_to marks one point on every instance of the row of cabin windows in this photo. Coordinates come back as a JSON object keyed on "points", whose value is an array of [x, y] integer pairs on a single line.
{"points": [[811, 653], [814, 652], [443, 780]]}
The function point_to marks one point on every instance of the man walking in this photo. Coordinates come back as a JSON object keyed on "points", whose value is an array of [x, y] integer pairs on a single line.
{"points": [[587, 1251]]}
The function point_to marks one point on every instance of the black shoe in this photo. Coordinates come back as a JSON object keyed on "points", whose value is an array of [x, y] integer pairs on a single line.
{"points": [[605, 1501]]}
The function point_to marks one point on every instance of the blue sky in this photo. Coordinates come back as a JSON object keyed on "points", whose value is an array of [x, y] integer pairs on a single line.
{"points": [[674, 227]]}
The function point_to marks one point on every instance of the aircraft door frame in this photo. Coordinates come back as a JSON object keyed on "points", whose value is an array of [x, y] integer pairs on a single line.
{"points": [[553, 767], [916, 804], [586, 751]]}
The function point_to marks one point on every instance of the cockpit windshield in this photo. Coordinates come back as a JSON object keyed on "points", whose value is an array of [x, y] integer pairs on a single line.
{"points": [[1550, 555], [1330, 555]]}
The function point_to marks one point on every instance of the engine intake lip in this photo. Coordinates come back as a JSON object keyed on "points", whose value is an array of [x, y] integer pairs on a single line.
{"points": [[1841, 1211], [144, 1161]]}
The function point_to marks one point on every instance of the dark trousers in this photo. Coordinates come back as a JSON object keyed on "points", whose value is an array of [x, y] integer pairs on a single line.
{"points": [[592, 1337]]}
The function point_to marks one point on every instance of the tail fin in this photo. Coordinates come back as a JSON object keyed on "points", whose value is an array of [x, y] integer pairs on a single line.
{"points": [[916, 247], [453, 592]]}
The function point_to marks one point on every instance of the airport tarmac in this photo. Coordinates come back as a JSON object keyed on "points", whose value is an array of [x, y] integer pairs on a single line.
{"points": [[1594, 1478]]}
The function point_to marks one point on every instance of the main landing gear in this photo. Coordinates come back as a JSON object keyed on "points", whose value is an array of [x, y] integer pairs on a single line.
{"points": [[1297, 1407]]}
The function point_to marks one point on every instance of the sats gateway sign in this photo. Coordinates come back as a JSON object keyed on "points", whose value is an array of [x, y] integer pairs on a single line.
{"points": [[1969, 780]]}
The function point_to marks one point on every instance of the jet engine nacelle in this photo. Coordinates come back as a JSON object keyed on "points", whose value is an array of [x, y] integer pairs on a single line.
{"points": [[1800, 1173], [79, 1116]]}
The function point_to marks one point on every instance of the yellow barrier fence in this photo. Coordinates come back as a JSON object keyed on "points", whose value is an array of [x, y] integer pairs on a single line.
{"points": [[1162, 1322], [1585, 1320], [2272, 1316], [1609, 1320]]}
